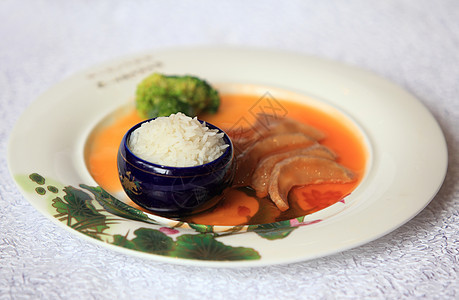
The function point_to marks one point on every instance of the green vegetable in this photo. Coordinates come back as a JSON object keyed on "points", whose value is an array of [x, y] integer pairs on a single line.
{"points": [[160, 95]]}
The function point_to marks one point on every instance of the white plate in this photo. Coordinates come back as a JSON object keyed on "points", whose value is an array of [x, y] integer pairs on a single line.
{"points": [[407, 165]]}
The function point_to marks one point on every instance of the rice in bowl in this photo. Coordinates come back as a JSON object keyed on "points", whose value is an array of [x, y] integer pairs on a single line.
{"points": [[177, 141]]}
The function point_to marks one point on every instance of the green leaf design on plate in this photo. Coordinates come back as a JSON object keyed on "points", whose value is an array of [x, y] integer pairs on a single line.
{"points": [[273, 231], [76, 208], [206, 247], [122, 241], [153, 241], [190, 246], [40, 190], [300, 219], [117, 207], [147, 240], [35, 177], [52, 189], [202, 228]]}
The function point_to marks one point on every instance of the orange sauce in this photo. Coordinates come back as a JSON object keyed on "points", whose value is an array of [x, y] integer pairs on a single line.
{"points": [[240, 206], [101, 157]]}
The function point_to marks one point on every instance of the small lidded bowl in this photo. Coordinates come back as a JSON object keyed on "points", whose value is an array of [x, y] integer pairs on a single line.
{"points": [[174, 191]]}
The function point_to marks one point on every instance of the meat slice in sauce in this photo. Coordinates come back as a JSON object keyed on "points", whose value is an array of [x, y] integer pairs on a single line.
{"points": [[262, 173], [274, 125], [242, 138], [267, 125], [247, 161], [303, 170]]}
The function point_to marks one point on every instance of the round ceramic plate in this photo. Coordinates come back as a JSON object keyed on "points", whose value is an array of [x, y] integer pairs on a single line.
{"points": [[406, 167]]}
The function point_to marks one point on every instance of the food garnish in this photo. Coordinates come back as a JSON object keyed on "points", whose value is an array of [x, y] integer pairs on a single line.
{"points": [[161, 95]]}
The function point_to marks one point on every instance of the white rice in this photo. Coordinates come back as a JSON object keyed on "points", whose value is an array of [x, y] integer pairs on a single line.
{"points": [[177, 141]]}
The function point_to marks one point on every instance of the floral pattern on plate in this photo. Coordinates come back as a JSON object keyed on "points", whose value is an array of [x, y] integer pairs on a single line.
{"points": [[94, 212]]}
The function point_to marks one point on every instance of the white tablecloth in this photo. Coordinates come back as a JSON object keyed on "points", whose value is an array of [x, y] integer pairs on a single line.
{"points": [[413, 43]]}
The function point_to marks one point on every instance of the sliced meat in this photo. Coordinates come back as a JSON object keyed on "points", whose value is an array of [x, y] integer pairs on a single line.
{"points": [[272, 124], [247, 161], [267, 125], [243, 137], [262, 173], [303, 170]]}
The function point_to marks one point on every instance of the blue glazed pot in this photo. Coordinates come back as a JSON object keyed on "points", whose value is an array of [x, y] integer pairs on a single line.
{"points": [[174, 191]]}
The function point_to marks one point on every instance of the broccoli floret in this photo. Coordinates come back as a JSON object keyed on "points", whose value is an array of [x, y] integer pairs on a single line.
{"points": [[160, 95]]}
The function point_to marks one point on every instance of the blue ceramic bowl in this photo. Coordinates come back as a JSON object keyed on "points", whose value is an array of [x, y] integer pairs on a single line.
{"points": [[174, 191]]}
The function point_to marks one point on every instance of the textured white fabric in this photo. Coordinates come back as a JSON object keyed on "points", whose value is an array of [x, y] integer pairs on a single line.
{"points": [[413, 43]]}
